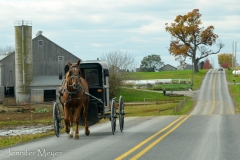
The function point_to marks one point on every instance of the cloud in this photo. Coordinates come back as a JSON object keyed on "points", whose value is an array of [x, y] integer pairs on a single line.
{"points": [[96, 45], [89, 28]]}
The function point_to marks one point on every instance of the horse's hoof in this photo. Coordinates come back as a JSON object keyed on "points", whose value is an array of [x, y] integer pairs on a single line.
{"points": [[87, 133], [76, 137], [70, 136], [67, 130]]}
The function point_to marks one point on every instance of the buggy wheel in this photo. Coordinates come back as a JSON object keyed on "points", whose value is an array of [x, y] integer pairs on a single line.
{"points": [[121, 113], [56, 119], [113, 116]]}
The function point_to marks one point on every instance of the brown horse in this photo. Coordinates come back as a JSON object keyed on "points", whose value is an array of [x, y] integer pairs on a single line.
{"points": [[74, 98]]}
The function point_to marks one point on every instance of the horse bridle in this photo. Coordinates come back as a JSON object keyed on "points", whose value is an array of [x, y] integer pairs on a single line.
{"points": [[79, 87], [75, 76]]}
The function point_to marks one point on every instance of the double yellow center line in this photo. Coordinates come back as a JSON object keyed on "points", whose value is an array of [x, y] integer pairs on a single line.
{"points": [[146, 149], [213, 94]]}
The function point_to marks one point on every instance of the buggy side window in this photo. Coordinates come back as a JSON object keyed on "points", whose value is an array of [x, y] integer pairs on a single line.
{"points": [[91, 76]]}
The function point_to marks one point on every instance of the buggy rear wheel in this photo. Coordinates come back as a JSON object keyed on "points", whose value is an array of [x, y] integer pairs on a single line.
{"points": [[56, 119], [113, 116], [121, 113]]}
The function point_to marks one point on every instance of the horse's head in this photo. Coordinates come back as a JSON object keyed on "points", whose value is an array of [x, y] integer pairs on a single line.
{"points": [[74, 74]]}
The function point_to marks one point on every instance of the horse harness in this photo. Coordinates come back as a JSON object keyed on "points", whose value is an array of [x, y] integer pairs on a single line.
{"points": [[79, 87]]}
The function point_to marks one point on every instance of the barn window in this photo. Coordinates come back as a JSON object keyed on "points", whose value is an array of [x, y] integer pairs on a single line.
{"points": [[40, 42], [60, 58], [9, 92]]}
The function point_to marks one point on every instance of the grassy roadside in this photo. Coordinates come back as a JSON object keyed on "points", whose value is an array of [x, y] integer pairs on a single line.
{"points": [[27, 122], [234, 90], [153, 110], [8, 141]]}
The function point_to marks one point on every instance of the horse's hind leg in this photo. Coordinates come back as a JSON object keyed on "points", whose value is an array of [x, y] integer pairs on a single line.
{"points": [[85, 112]]}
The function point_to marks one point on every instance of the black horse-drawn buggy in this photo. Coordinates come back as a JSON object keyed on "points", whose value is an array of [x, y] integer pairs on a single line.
{"points": [[96, 93]]}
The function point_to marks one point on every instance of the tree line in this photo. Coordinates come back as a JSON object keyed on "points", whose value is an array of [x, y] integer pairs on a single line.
{"points": [[4, 50]]}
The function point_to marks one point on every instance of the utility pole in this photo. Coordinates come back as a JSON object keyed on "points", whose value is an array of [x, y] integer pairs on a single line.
{"points": [[235, 55]]}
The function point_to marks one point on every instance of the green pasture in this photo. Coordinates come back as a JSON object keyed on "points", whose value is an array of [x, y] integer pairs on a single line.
{"points": [[172, 87], [160, 102], [181, 74], [231, 77], [136, 95]]}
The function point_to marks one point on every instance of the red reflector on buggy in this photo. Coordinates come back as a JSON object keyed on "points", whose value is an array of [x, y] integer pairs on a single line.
{"points": [[99, 90]]}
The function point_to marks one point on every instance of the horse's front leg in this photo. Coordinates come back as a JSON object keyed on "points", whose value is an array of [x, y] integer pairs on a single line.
{"points": [[66, 119], [77, 119], [71, 125], [85, 113]]}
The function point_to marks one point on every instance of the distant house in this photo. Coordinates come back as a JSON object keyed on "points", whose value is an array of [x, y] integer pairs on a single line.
{"points": [[185, 67], [189, 66], [138, 69], [168, 67]]}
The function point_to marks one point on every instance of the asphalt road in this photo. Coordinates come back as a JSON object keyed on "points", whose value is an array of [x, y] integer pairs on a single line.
{"points": [[214, 96], [210, 132]]}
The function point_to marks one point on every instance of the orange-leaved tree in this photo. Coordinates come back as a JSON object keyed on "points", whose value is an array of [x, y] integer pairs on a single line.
{"points": [[207, 64], [225, 60], [191, 40]]}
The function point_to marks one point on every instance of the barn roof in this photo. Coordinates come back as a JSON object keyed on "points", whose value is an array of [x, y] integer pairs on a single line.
{"points": [[40, 35], [4, 55], [169, 65], [45, 81]]}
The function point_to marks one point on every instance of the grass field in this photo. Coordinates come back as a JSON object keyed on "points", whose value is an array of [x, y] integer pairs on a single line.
{"points": [[185, 74], [135, 95], [172, 87]]}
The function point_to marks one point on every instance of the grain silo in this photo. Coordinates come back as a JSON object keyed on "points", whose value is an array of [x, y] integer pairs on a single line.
{"points": [[23, 60]]}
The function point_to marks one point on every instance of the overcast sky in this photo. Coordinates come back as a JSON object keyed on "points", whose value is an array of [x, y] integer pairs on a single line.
{"points": [[91, 28]]}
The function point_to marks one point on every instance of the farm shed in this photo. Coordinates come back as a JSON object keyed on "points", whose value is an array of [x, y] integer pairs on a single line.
{"points": [[189, 66], [168, 67], [45, 88], [7, 75], [21, 84]]}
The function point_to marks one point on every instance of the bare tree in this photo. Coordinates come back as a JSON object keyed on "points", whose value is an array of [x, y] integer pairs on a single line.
{"points": [[4, 50], [120, 65], [181, 59]]}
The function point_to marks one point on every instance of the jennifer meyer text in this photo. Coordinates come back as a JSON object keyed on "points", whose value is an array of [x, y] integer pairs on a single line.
{"points": [[40, 152]]}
